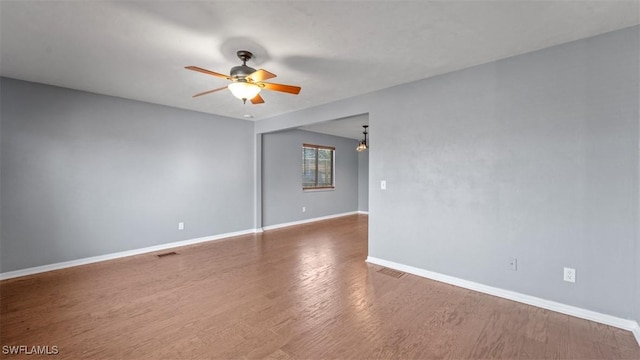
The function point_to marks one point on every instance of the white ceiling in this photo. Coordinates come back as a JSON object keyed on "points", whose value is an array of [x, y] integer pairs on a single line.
{"points": [[334, 50]]}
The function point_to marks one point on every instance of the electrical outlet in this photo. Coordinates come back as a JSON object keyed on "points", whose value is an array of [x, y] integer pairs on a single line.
{"points": [[570, 275], [304, 209], [383, 184], [513, 264], [181, 226]]}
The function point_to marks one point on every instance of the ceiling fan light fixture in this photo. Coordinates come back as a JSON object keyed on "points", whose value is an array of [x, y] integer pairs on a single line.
{"points": [[247, 82], [244, 90]]}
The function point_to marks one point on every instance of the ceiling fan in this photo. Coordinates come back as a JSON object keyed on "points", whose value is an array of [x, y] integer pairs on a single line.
{"points": [[247, 82]]}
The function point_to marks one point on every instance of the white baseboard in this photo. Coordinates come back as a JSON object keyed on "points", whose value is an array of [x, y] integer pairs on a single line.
{"points": [[300, 222], [94, 259], [363, 212], [621, 323]]}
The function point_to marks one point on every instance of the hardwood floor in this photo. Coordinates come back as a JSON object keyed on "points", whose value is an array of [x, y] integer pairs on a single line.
{"points": [[301, 292]]}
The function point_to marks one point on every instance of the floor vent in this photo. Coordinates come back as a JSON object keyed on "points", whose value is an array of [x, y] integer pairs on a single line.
{"points": [[167, 254], [391, 272]]}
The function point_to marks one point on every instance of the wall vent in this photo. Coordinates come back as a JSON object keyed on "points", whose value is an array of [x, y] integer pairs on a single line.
{"points": [[167, 254], [395, 273]]}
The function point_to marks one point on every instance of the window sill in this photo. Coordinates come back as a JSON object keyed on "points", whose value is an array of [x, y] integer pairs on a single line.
{"points": [[318, 189]]}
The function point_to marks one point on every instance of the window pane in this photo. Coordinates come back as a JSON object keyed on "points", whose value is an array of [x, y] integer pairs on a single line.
{"points": [[325, 167], [308, 167]]}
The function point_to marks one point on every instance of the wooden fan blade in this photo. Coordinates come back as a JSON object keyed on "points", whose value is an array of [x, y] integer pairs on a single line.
{"points": [[257, 100], [210, 91], [281, 87], [260, 75], [208, 72]]}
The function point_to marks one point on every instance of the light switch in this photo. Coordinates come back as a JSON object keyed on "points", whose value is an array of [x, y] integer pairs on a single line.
{"points": [[383, 184]]}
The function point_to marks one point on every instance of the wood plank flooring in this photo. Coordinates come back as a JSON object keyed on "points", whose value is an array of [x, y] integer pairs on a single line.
{"points": [[302, 292]]}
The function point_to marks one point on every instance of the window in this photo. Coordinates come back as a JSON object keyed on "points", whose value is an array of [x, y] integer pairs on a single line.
{"points": [[317, 167]]}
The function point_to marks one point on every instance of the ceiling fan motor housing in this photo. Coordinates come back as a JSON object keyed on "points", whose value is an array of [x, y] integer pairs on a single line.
{"points": [[240, 72]]}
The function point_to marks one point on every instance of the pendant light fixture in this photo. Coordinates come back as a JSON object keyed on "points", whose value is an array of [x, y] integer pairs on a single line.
{"points": [[362, 146]]}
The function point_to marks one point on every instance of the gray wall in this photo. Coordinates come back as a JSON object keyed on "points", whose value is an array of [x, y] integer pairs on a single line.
{"points": [[86, 174], [363, 181], [533, 157], [282, 195]]}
